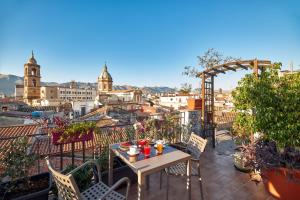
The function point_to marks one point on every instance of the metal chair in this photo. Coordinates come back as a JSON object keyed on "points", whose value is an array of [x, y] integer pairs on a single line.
{"points": [[68, 189], [195, 146]]}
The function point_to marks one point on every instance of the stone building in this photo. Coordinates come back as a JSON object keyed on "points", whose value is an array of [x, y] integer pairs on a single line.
{"points": [[32, 80]]}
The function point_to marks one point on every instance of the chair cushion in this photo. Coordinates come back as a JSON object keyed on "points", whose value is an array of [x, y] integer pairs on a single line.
{"points": [[180, 169], [97, 190]]}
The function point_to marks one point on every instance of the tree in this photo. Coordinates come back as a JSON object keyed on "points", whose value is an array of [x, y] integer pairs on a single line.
{"points": [[274, 101], [209, 59], [185, 88]]}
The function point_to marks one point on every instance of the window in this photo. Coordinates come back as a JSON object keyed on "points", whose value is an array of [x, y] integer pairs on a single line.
{"points": [[33, 72], [33, 82]]}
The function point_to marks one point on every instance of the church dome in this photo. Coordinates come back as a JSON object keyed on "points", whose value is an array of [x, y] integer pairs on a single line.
{"points": [[32, 59], [105, 75]]}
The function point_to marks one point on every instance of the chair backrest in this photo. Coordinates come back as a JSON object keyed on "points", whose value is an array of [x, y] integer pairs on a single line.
{"points": [[66, 185], [196, 145]]}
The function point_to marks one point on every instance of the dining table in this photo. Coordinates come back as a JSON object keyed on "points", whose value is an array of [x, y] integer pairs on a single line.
{"points": [[144, 165]]}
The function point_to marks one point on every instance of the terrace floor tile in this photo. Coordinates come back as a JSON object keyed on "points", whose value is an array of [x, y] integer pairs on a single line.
{"points": [[220, 181]]}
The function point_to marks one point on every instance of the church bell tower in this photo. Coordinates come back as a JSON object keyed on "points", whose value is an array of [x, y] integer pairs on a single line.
{"points": [[32, 80]]}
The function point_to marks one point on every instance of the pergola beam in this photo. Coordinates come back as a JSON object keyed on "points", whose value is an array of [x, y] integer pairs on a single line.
{"points": [[229, 68], [207, 87], [219, 71], [242, 66], [208, 73]]}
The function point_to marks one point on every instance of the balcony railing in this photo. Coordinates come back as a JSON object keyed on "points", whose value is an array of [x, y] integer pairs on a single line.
{"points": [[76, 153]]}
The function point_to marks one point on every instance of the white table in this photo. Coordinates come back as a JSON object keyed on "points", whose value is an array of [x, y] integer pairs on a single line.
{"points": [[145, 167]]}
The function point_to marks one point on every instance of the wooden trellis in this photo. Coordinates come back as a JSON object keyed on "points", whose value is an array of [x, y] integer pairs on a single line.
{"points": [[207, 88]]}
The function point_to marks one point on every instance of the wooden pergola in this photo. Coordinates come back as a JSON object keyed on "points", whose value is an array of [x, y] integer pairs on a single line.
{"points": [[207, 88]]}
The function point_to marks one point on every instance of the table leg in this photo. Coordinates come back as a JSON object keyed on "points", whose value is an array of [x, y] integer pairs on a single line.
{"points": [[188, 173], [110, 167], [147, 182], [141, 186]]}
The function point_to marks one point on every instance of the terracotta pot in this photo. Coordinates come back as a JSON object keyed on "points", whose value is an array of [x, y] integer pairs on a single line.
{"points": [[279, 184]]}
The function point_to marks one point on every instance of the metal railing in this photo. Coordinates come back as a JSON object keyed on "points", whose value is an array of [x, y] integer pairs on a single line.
{"points": [[76, 153]]}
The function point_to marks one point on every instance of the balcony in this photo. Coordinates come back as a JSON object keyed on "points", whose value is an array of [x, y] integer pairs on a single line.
{"points": [[220, 179]]}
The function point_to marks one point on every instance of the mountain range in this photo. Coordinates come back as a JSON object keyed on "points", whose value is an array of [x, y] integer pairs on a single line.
{"points": [[8, 82]]}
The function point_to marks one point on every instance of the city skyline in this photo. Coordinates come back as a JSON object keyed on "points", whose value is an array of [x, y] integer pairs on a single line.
{"points": [[144, 44]]}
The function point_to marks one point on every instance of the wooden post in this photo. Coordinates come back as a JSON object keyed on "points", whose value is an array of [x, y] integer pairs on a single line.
{"points": [[255, 67], [203, 100], [212, 112]]}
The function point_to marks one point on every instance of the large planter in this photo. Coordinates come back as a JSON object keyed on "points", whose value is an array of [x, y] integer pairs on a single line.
{"points": [[42, 181], [56, 137], [282, 183], [239, 162]]}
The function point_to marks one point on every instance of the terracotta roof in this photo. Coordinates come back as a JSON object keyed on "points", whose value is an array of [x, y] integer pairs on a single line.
{"points": [[43, 146], [10, 133], [109, 135], [14, 131], [100, 111], [120, 91]]}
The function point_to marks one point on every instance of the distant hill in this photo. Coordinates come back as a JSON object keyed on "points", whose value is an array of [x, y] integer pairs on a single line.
{"points": [[8, 82]]}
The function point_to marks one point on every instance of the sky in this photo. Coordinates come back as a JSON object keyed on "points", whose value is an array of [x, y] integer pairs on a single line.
{"points": [[145, 43]]}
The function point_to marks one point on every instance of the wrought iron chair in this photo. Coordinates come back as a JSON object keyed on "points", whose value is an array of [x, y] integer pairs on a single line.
{"points": [[195, 146], [68, 189]]}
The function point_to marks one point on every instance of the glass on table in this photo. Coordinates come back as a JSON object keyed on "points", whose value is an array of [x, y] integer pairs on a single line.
{"points": [[159, 147], [147, 150]]}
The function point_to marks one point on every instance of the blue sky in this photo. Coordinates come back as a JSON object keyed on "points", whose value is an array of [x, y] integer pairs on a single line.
{"points": [[145, 43]]}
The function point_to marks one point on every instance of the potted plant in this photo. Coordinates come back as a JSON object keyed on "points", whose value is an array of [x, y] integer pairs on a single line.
{"points": [[16, 182], [274, 102], [70, 133], [242, 129], [83, 177]]}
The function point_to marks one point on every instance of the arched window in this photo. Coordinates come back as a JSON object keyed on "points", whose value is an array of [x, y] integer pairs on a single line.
{"points": [[33, 72], [34, 83]]}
